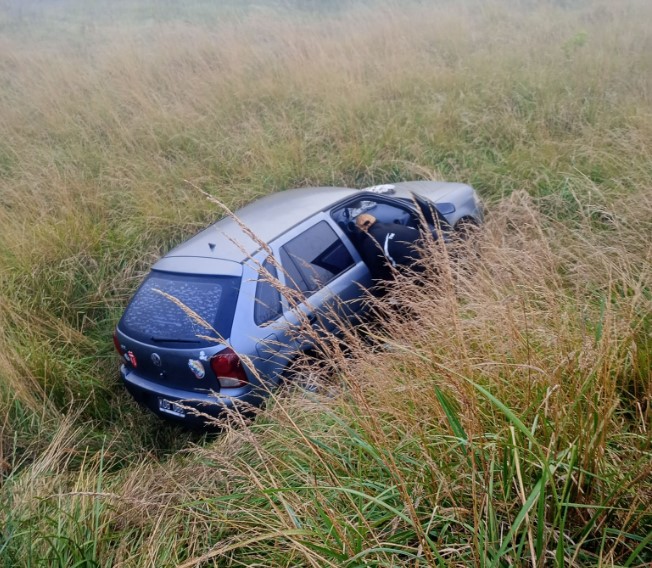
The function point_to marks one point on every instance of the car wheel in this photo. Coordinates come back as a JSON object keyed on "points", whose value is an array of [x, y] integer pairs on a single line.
{"points": [[465, 229]]}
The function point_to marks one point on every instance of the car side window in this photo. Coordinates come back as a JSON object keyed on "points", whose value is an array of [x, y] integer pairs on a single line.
{"points": [[268, 298], [314, 258]]}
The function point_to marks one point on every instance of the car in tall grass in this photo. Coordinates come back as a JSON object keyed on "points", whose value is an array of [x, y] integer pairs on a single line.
{"points": [[214, 324]]}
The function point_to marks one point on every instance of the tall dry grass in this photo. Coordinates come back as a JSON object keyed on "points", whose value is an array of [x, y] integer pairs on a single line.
{"points": [[507, 418], [498, 413]]}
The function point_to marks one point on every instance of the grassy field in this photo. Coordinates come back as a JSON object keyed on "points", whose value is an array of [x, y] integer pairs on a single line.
{"points": [[506, 422]]}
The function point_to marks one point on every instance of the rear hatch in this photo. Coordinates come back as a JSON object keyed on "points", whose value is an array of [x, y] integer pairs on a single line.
{"points": [[174, 324]]}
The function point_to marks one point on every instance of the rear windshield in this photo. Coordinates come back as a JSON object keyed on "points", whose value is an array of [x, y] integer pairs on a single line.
{"points": [[179, 308]]}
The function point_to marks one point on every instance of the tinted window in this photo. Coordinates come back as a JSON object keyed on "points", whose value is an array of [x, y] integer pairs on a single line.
{"points": [[314, 258], [293, 277], [168, 308], [268, 298]]}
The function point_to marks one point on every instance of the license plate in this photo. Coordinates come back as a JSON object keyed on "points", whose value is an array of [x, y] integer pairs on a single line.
{"points": [[170, 407]]}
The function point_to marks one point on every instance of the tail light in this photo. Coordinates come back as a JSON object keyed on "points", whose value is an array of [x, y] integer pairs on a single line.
{"points": [[116, 343], [228, 369]]}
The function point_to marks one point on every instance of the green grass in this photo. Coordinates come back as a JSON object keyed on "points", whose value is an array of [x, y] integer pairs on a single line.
{"points": [[507, 420]]}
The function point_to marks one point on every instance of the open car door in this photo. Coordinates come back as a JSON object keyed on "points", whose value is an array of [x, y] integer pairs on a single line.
{"points": [[434, 213]]}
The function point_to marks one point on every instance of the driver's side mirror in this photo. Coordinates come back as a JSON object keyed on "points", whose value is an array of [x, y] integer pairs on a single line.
{"points": [[445, 208]]}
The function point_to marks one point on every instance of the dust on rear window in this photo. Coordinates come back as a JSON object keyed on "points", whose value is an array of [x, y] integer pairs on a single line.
{"points": [[182, 308]]}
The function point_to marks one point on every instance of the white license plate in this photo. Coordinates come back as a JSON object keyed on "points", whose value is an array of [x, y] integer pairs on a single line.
{"points": [[170, 407]]}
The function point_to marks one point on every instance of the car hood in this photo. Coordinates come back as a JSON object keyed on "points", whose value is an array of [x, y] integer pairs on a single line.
{"points": [[436, 191]]}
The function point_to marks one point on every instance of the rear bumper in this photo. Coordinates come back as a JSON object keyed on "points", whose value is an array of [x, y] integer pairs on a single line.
{"points": [[198, 407]]}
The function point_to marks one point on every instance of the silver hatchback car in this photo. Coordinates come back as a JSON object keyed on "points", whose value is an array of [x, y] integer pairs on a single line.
{"points": [[209, 328]]}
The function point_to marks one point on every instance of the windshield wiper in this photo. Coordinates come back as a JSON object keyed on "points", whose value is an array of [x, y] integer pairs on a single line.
{"points": [[173, 340]]}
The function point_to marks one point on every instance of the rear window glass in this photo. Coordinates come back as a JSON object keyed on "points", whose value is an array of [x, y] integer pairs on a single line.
{"points": [[175, 308]]}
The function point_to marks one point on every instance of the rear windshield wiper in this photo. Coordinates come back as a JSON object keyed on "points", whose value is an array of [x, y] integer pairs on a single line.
{"points": [[173, 340]]}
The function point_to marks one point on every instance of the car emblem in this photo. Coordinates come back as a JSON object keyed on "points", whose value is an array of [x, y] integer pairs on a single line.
{"points": [[197, 368], [156, 359]]}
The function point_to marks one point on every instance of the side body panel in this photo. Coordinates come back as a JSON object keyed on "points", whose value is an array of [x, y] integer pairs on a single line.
{"points": [[273, 345]]}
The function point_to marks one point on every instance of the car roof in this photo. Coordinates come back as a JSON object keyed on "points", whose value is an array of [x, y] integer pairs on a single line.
{"points": [[236, 238]]}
